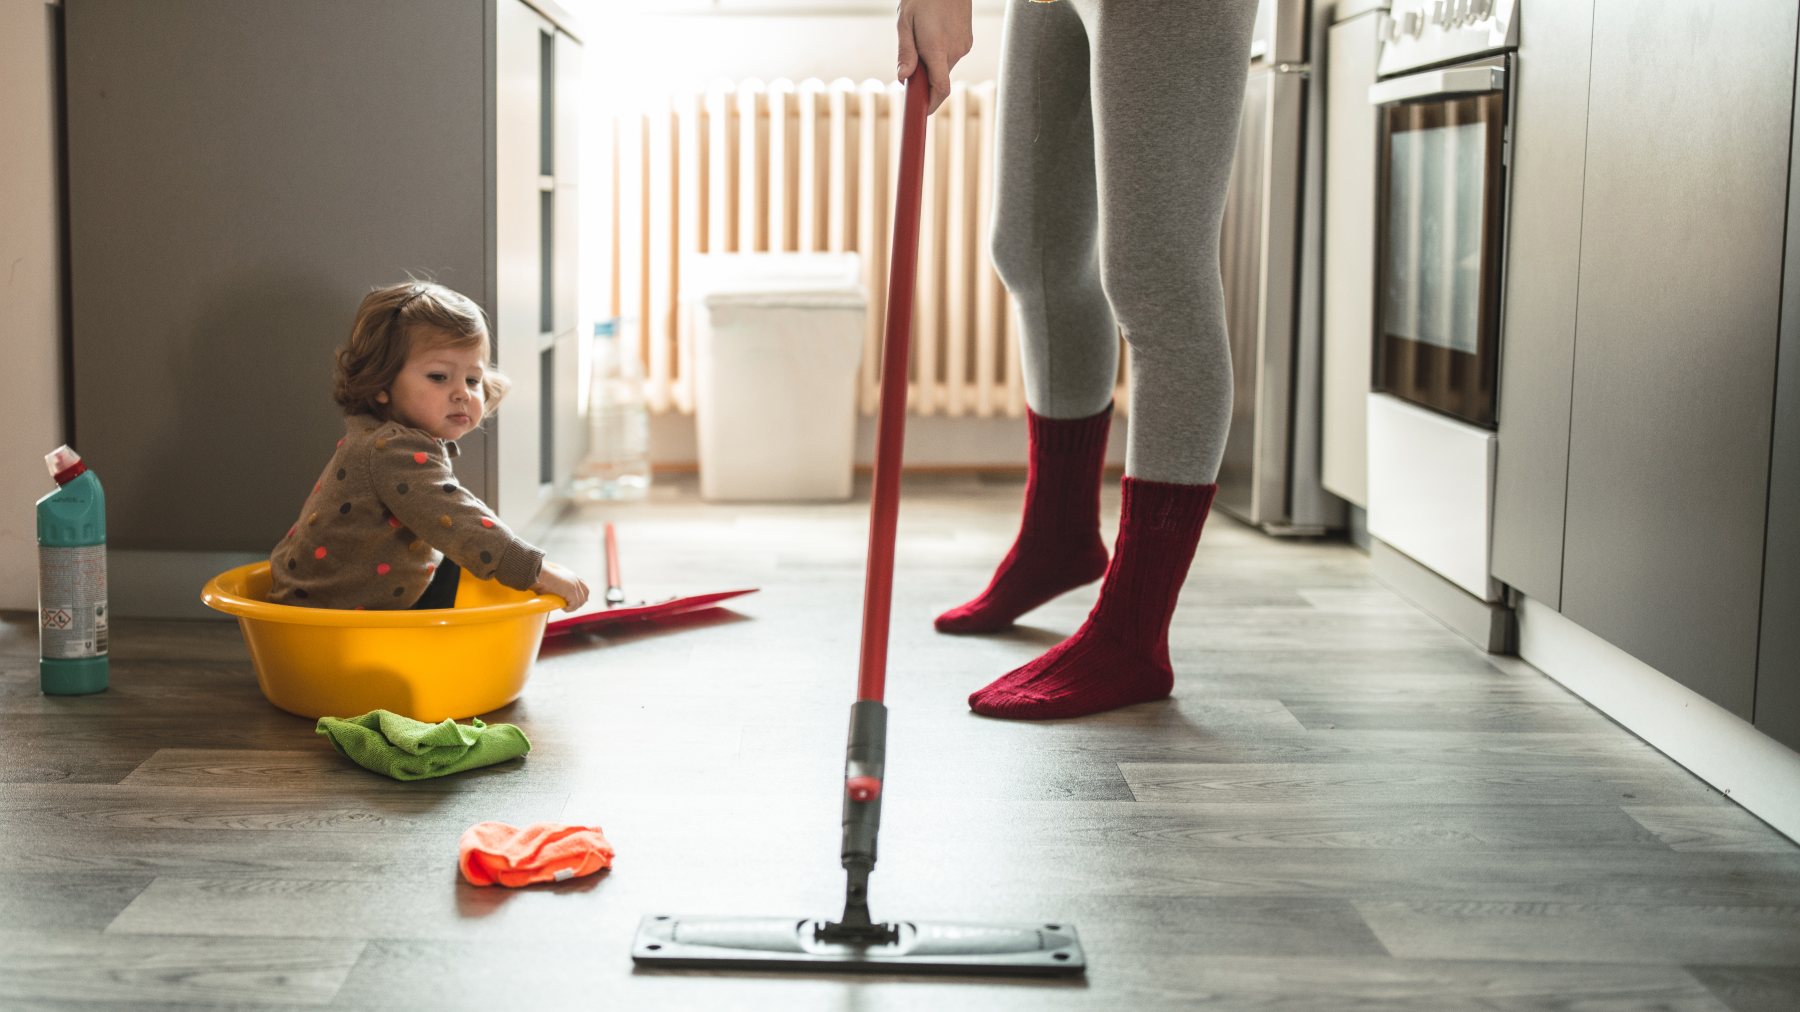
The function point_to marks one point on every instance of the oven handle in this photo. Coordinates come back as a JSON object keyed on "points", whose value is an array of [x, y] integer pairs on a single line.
{"points": [[1432, 83]]}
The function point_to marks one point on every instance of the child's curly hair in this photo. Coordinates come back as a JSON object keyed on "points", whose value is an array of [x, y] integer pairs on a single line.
{"points": [[388, 321]]}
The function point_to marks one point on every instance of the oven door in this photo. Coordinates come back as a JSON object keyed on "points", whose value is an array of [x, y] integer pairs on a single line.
{"points": [[1441, 184]]}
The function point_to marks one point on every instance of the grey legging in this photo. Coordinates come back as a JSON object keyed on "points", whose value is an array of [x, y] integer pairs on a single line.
{"points": [[1118, 120]]}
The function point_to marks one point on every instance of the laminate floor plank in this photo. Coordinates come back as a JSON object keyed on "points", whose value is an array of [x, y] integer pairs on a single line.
{"points": [[51, 764], [1624, 876], [1324, 688], [440, 906], [358, 808], [1589, 932], [64, 901], [1710, 828], [57, 968], [1297, 665], [1752, 988], [102, 733], [1082, 849], [1394, 826], [158, 686], [1560, 752], [1020, 826], [1343, 806], [543, 975], [1389, 782], [231, 853], [288, 770], [323, 768], [1570, 717]]}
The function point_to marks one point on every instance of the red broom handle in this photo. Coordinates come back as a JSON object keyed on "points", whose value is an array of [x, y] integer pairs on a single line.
{"points": [[890, 437]]}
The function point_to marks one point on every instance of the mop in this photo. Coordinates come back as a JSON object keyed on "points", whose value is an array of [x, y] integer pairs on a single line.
{"points": [[614, 610], [856, 941]]}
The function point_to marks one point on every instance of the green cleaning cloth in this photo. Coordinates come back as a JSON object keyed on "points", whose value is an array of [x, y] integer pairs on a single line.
{"points": [[408, 749]]}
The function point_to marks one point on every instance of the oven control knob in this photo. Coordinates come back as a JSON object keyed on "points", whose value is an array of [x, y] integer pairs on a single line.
{"points": [[1415, 23], [1437, 12]]}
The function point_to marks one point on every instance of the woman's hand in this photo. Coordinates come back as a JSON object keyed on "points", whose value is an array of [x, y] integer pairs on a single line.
{"points": [[937, 33], [554, 579]]}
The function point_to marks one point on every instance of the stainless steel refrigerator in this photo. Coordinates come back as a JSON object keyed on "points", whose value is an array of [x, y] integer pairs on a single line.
{"points": [[1270, 265]]}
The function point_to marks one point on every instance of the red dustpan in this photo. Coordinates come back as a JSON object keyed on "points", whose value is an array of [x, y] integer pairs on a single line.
{"points": [[857, 941], [614, 611]]}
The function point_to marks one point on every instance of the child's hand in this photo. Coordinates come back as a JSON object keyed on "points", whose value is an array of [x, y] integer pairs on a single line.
{"points": [[554, 579]]}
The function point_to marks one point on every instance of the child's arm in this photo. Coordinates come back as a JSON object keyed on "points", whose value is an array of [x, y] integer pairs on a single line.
{"points": [[410, 473]]}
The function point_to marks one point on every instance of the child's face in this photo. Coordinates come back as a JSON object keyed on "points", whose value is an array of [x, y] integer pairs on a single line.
{"points": [[439, 389]]}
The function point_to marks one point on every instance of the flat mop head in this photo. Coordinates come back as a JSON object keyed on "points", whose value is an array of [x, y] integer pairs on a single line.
{"points": [[777, 943]]}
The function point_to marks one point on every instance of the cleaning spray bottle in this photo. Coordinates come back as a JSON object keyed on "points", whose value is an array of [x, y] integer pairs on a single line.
{"points": [[71, 532]]}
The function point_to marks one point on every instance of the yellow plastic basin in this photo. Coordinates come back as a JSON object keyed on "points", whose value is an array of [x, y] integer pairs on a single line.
{"points": [[428, 665]]}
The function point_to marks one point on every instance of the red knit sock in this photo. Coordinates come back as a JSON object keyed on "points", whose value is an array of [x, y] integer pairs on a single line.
{"points": [[1059, 546], [1120, 655]]}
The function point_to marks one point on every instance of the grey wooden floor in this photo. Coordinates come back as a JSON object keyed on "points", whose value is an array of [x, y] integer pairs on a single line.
{"points": [[1344, 806]]}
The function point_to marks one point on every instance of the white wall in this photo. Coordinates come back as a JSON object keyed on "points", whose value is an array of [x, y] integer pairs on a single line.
{"points": [[651, 47], [643, 50], [30, 301]]}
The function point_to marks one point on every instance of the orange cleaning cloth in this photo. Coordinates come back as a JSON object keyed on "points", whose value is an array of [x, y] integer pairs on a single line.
{"points": [[494, 853]]}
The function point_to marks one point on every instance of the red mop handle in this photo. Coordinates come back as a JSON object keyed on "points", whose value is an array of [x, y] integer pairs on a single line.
{"points": [[612, 559], [890, 436]]}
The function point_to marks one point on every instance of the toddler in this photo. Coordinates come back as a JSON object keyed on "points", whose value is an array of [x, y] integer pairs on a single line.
{"points": [[387, 525]]}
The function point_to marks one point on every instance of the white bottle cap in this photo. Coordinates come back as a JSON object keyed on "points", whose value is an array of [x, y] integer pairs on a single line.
{"points": [[61, 459]]}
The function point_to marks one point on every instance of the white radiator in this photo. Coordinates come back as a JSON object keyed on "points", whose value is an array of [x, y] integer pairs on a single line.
{"points": [[749, 167]]}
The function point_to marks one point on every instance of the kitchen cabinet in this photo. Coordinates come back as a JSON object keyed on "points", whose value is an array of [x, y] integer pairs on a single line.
{"points": [[1547, 161], [1351, 130], [1677, 327], [1778, 657], [537, 89], [239, 175]]}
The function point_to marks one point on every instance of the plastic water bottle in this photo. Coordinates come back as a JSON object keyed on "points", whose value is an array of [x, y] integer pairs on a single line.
{"points": [[617, 465], [71, 533]]}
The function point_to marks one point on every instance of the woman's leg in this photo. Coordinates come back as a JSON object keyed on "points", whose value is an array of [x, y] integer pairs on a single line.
{"points": [[1045, 232], [1168, 83]]}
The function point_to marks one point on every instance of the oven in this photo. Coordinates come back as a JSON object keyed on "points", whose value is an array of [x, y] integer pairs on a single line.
{"points": [[1445, 74], [1441, 204]]}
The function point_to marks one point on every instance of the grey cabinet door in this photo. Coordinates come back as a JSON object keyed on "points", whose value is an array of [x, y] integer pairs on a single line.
{"points": [[1682, 238], [239, 176], [1351, 130], [522, 325], [1543, 254], [1778, 663]]}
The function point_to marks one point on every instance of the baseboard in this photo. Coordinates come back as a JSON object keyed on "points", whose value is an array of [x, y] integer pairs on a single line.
{"points": [[1714, 744], [1486, 624], [1356, 527]]}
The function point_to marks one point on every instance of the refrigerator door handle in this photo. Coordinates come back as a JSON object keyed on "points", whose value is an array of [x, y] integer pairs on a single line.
{"points": [[1433, 83]]}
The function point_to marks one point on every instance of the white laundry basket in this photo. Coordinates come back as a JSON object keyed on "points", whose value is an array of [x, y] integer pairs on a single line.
{"points": [[778, 340]]}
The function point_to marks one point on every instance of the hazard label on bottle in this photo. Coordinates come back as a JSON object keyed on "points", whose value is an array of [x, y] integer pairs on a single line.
{"points": [[72, 601]]}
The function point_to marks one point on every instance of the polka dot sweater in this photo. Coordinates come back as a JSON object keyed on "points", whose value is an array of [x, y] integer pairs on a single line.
{"points": [[386, 511]]}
